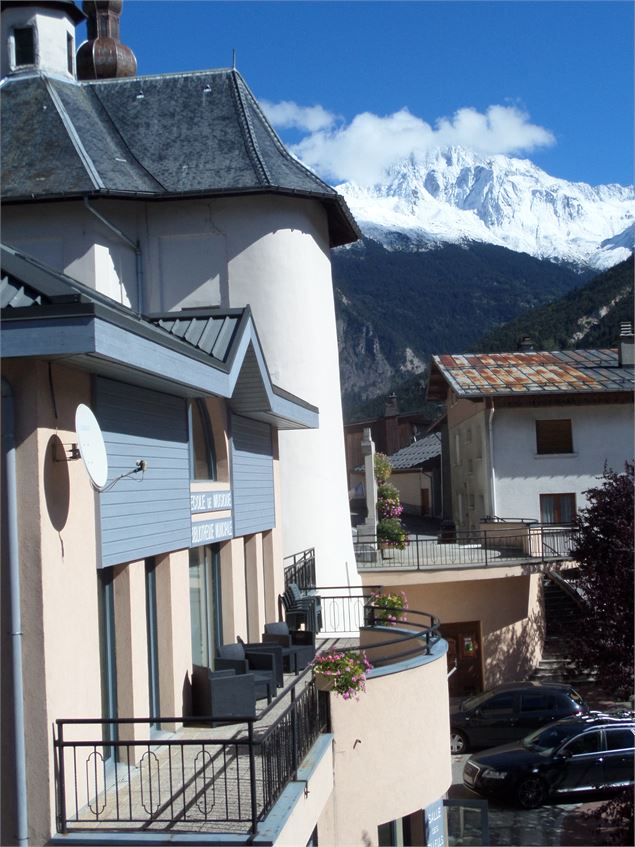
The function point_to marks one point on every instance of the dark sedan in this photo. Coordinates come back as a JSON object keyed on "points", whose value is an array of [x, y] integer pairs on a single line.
{"points": [[510, 712], [584, 754]]}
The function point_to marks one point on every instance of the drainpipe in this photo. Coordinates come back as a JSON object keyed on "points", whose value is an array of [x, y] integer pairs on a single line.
{"points": [[134, 245], [8, 438], [490, 443]]}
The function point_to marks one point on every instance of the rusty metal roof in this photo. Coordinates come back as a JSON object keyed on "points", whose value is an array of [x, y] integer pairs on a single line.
{"points": [[508, 374]]}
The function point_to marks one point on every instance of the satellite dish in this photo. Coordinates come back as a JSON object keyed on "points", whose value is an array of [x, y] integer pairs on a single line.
{"points": [[91, 446]]}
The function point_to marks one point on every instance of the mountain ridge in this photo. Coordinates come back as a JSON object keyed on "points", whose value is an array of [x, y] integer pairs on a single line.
{"points": [[453, 195]]}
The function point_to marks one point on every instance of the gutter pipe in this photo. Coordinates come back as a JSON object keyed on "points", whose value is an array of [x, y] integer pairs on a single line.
{"points": [[8, 438], [490, 442], [134, 245]]}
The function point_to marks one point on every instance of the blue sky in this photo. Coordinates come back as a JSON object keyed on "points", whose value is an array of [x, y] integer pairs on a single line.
{"points": [[551, 81]]}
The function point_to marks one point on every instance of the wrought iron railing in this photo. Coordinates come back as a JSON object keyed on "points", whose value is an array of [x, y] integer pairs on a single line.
{"points": [[195, 777], [538, 543], [300, 568]]}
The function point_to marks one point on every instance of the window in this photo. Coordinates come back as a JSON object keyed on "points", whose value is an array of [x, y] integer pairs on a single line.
{"points": [[152, 631], [500, 704], [554, 436], [69, 52], [24, 42], [619, 739], [587, 743], [205, 604], [535, 702], [202, 455], [557, 508]]}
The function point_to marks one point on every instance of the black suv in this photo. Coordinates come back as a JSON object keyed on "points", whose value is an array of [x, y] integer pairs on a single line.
{"points": [[510, 712], [590, 753]]}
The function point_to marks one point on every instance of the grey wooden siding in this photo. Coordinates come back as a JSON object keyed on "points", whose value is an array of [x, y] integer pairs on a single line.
{"points": [[252, 476], [146, 513]]}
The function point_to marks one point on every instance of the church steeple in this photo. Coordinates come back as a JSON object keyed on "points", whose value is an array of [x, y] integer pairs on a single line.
{"points": [[103, 56]]}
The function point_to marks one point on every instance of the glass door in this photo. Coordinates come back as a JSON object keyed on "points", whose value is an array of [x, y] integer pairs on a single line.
{"points": [[205, 603], [107, 656], [153, 640]]}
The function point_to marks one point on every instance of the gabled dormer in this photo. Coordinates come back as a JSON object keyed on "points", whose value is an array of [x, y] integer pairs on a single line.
{"points": [[39, 36]]}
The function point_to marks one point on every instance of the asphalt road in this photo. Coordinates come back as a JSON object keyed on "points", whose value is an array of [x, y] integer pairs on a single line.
{"points": [[563, 824]]}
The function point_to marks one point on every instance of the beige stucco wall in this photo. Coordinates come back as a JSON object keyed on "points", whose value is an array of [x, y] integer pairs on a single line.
{"points": [[58, 576], [391, 753], [509, 608]]}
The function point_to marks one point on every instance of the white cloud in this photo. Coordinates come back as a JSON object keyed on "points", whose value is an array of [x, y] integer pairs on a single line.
{"points": [[361, 150], [288, 115]]}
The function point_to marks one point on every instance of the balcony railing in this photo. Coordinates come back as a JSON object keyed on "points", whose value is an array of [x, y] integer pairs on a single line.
{"points": [[533, 544], [221, 779], [300, 568]]}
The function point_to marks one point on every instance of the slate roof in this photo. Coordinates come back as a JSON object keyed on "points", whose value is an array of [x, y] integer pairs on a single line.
{"points": [[533, 373], [417, 453], [170, 135]]}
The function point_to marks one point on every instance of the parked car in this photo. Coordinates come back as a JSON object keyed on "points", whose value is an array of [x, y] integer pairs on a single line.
{"points": [[509, 712], [589, 753]]}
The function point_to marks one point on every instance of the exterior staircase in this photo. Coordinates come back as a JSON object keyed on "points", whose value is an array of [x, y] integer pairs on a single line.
{"points": [[563, 619]]}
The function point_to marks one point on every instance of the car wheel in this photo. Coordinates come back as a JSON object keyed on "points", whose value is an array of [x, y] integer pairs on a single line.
{"points": [[531, 792], [458, 742]]}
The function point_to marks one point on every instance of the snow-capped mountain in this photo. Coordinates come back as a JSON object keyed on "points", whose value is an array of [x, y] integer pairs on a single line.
{"points": [[454, 195]]}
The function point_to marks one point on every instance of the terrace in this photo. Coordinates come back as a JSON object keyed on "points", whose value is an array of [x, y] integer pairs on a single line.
{"points": [[497, 543], [221, 779]]}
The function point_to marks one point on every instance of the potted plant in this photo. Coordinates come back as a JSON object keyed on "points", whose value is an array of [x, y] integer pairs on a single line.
{"points": [[343, 673], [389, 609]]}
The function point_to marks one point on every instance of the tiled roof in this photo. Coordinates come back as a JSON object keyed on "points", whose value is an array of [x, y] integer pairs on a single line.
{"points": [[539, 373], [417, 453], [189, 134]]}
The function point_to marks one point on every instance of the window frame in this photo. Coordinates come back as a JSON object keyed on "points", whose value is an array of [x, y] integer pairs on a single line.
{"points": [[208, 437], [14, 57], [558, 508]]}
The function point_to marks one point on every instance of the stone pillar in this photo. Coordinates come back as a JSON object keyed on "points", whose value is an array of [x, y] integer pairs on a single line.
{"points": [[368, 530]]}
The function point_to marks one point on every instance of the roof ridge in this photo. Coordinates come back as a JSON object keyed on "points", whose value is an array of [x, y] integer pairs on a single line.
{"points": [[141, 77], [252, 144], [69, 126], [280, 144]]}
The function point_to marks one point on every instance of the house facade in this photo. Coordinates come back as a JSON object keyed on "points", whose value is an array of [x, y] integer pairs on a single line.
{"points": [[183, 304], [530, 432]]}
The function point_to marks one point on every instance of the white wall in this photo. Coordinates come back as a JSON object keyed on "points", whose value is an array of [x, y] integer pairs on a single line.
{"points": [[51, 29], [270, 253], [602, 433]]}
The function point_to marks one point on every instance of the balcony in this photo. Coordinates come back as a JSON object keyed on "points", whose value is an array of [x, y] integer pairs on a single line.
{"points": [[172, 775], [495, 544]]}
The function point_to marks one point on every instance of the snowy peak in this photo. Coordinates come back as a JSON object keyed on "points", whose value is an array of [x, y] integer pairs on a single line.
{"points": [[455, 195]]}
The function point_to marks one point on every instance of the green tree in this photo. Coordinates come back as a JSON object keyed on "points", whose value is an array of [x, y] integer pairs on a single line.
{"points": [[604, 550]]}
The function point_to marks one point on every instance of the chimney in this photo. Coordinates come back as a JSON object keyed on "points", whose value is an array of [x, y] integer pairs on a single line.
{"points": [[625, 345], [103, 56], [525, 345], [392, 406]]}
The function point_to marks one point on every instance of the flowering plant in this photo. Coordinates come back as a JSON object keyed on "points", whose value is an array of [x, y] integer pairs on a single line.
{"points": [[345, 671], [388, 505], [389, 608], [391, 533]]}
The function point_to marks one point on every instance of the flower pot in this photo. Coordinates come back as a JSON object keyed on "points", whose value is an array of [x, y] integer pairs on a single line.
{"points": [[323, 683]]}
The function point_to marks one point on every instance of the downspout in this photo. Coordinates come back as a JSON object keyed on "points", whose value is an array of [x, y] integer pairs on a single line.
{"points": [[134, 245], [8, 449], [490, 445]]}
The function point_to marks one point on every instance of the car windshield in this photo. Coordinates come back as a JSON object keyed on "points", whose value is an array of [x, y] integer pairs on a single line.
{"points": [[547, 738]]}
